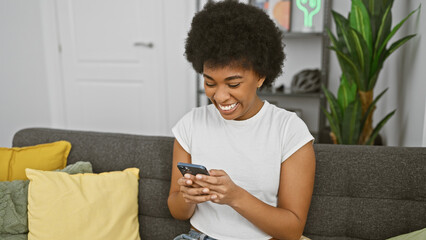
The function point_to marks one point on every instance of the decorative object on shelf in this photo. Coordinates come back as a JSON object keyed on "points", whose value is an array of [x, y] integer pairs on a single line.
{"points": [[278, 10], [306, 81], [361, 47], [309, 8]]}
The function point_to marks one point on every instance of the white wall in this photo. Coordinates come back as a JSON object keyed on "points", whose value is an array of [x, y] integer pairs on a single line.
{"points": [[180, 77], [30, 89], [24, 97], [412, 82]]}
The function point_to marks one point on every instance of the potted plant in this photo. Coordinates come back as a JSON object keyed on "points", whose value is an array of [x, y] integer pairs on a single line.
{"points": [[362, 46]]}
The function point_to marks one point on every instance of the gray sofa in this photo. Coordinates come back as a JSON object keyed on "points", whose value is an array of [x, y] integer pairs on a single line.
{"points": [[361, 192]]}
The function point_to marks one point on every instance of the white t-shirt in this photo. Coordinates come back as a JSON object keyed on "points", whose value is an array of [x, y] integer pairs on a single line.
{"points": [[249, 151]]}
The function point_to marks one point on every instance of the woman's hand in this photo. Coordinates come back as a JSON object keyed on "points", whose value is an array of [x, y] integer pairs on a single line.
{"points": [[221, 188], [191, 191]]}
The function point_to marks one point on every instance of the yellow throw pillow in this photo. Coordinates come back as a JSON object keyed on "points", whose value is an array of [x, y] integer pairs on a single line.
{"points": [[83, 206], [48, 157]]}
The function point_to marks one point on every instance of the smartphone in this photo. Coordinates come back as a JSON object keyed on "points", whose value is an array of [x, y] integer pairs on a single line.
{"points": [[193, 169]]}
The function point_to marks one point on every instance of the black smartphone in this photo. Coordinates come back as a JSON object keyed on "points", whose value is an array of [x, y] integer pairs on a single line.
{"points": [[193, 169]]}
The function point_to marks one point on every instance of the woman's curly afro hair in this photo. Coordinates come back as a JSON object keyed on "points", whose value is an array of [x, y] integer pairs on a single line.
{"points": [[229, 32]]}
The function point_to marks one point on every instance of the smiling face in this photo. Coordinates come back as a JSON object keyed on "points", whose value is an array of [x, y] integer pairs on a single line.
{"points": [[233, 91]]}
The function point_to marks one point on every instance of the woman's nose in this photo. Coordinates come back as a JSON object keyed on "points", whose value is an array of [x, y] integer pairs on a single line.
{"points": [[221, 94]]}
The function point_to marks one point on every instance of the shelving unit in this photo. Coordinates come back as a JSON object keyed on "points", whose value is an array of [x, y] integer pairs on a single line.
{"points": [[292, 35], [320, 134]]}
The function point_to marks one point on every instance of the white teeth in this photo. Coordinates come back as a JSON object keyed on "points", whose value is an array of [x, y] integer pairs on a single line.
{"points": [[227, 108]]}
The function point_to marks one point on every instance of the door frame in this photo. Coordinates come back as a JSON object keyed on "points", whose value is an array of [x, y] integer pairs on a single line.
{"points": [[52, 58]]}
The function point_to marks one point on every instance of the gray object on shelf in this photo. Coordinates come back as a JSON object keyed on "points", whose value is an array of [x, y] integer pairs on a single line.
{"points": [[306, 81]]}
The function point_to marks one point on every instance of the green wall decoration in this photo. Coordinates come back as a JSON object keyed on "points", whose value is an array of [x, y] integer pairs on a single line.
{"points": [[309, 8]]}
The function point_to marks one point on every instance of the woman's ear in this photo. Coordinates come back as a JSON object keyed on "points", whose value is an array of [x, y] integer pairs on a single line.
{"points": [[260, 81]]}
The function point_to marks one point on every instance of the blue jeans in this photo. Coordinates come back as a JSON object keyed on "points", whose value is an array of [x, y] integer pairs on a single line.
{"points": [[193, 235]]}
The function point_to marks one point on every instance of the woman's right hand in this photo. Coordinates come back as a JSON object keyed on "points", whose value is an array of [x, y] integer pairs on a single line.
{"points": [[192, 192]]}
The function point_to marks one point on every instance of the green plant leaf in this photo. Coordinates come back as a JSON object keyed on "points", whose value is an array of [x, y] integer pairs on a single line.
{"points": [[377, 10], [387, 53], [340, 41], [349, 69], [355, 44], [370, 108], [334, 41], [342, 29], [358, 49], [377, 7], [383, 31], [378, 127], [334, 105], [371, 5], [394, 30], [398, 44], [381, 34], [360, 21], [351, 123], [380, 52], [347, 92], [364, 58], [335, 127], [350, 45], [332, 38], [374, 77]]}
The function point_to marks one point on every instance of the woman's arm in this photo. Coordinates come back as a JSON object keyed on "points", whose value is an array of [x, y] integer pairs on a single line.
{"points": [[286, 221], [182, 188]]}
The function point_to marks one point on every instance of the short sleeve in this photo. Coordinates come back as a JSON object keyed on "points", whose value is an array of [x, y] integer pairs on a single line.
{"points": [[296, 134], [183, 131]]}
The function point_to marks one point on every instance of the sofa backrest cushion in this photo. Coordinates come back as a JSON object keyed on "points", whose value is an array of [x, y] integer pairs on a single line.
{"points": [[367, 192]]}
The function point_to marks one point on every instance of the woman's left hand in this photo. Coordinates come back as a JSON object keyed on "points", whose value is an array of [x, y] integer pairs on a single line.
{"points": [[222, 189]]}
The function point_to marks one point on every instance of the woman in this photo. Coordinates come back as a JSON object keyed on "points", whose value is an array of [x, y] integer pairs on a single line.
{"points": [[261, 158]]}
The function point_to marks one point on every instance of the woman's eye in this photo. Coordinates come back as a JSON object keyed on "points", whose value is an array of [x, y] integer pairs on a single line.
{"points": [[234, 85], [209, 84]]}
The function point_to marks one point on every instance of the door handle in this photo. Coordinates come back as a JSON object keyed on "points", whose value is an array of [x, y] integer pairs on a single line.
{"points": [[144, 44]]}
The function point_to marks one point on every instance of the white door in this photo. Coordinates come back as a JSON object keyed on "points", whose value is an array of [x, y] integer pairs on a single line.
{"points": [[111, 53]]}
